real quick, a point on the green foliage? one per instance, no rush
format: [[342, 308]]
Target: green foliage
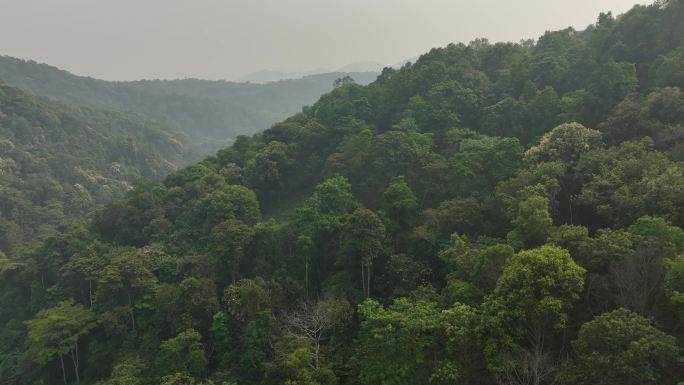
[[565, 143], [58, 163], [532, 298], [660, 229], [361, 242], [384, 336], [399, 205], [297, 362], [533, 224], [256, 349], [623, 347], [182, 354], [415, 342], [444, 182], [56, 331], [481, 163], [327, 208], [131, 371], [674, 281], [228, 240]]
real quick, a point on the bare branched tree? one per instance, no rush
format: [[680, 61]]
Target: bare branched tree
[[635, 278], [312, 321], [529, 367]]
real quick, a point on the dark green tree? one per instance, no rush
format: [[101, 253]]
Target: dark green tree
[[361, 241], [623, 347]]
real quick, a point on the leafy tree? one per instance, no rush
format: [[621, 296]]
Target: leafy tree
[[304, 374], [533, 224], [362, 241], [131, 371], [628, 181], [122, 284], [674, 281], [269, 169], [398, 204], [660, 229], [228, 241], [182, 354], [458, 215], [529, 305], [623, 347], [196, 302], [325, 211], [256, 349], [384, 336], [443, 344], [483, 162], [572, 238], [564, 143], [56, 332]]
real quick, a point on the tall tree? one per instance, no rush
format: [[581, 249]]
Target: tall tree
[[228, 241], [309, 324], [122, 283], [362, 241], [529, 305], [398, 204], [57, 331]]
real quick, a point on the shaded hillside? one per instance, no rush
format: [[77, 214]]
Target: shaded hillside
[[209, 113], [58, 162]]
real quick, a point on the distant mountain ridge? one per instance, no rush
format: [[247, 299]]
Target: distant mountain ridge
[[210, 113], [268, 76]]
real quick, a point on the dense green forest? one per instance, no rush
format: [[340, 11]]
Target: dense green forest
[[57, 163], [210, 113], [491, 214]]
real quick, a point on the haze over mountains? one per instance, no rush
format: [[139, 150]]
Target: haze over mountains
[[209, 113], [266, 76]]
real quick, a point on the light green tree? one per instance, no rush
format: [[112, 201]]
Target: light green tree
[[56, 332], [564, 143], [529, 305]]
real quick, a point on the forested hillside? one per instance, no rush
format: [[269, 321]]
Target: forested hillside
[[491, 214], [210, 113], [57, 163]]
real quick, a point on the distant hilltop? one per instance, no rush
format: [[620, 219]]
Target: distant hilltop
[[268, 76]]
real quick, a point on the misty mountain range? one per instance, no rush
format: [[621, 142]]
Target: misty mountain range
[[209, 113], [266, 76]]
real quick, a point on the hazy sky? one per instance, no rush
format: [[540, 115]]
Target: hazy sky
[[224, 39]]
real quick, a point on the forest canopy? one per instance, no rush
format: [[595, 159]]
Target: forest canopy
[[490, 214]]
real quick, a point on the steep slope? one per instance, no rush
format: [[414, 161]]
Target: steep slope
[[493, 213], [209, 113], [58, 162]]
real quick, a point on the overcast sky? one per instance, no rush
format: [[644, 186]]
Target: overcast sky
[[224, 39]]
